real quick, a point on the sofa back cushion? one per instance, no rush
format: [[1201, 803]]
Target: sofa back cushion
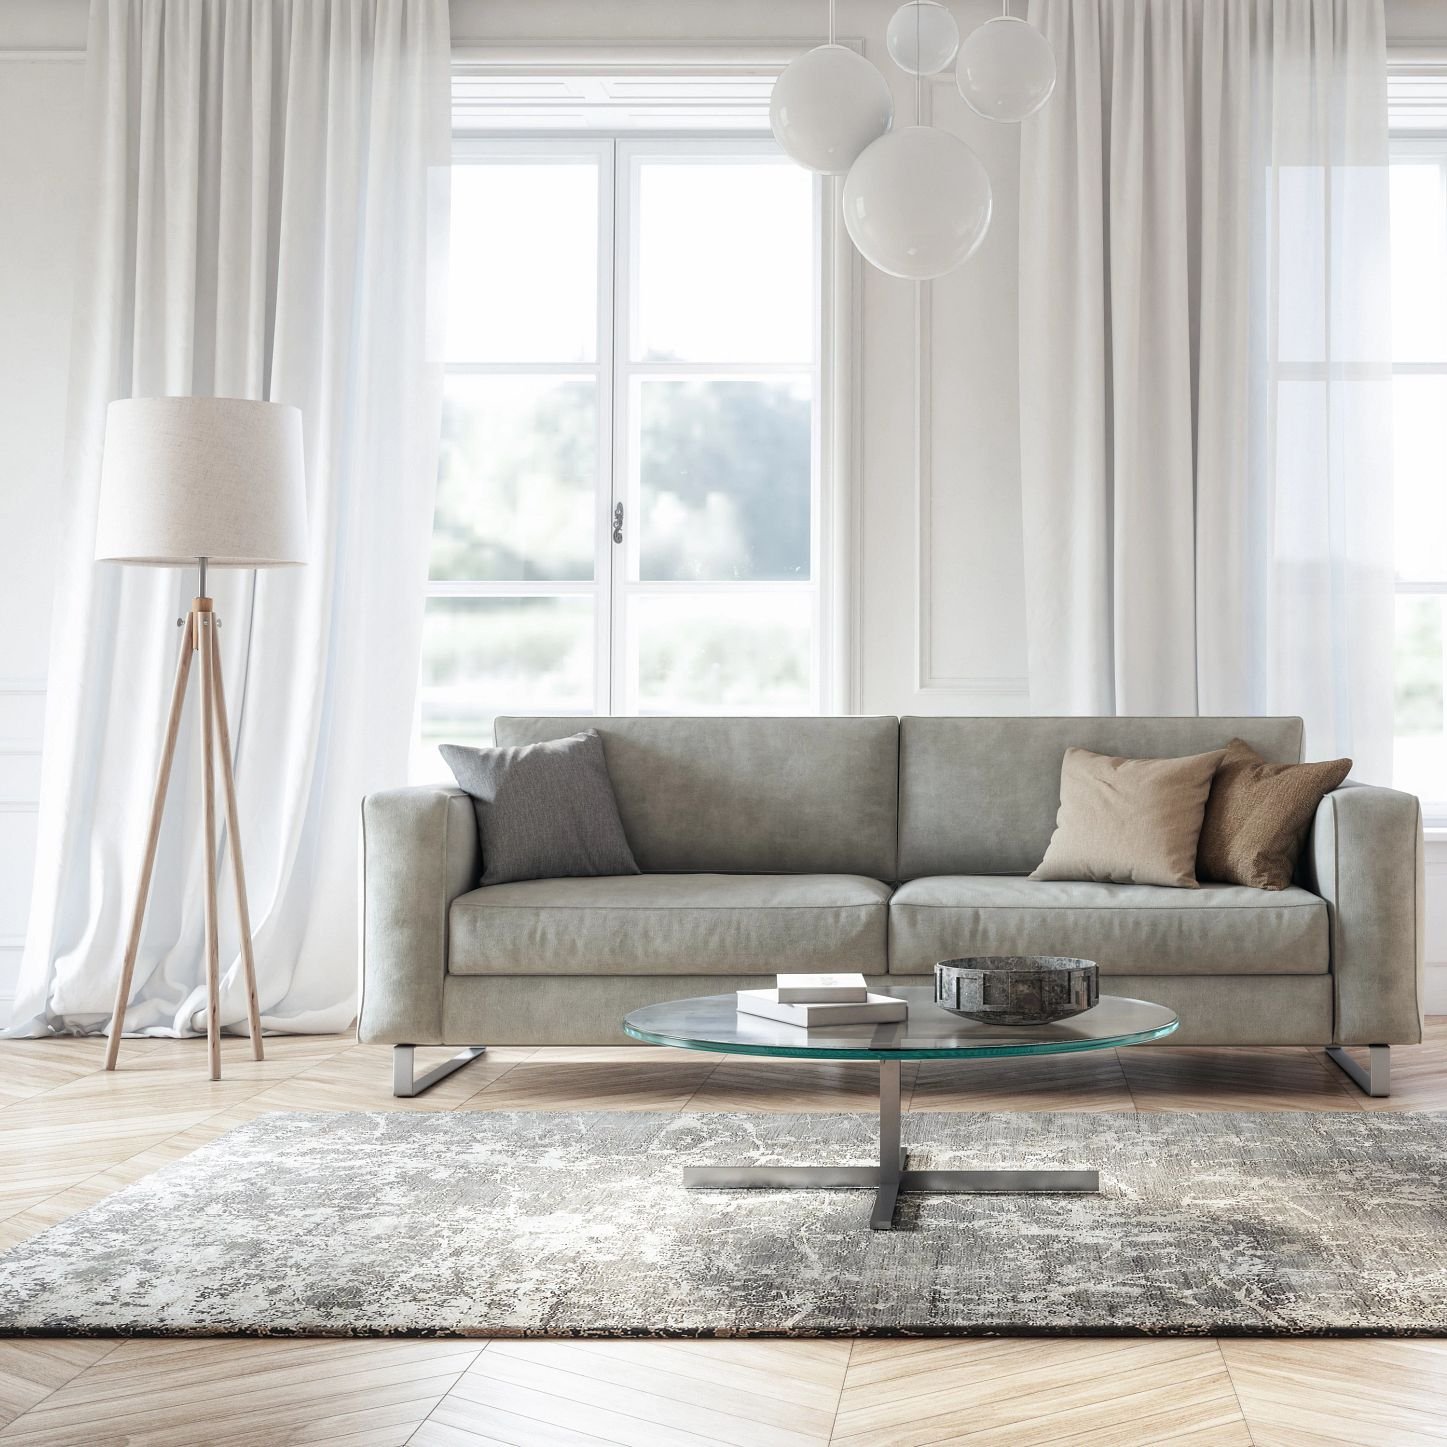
[[980, 795], [748, 795]]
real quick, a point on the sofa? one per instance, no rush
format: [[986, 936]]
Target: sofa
[[880, 845]]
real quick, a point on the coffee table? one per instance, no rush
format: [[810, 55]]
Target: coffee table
[[712, 1023]]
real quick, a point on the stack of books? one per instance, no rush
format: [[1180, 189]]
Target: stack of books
[[815, 1001]]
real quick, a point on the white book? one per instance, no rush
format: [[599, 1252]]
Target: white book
[[822, 989], [874, 1010]]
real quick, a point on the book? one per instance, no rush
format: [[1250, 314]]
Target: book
[[821, 989], [874, 1010]]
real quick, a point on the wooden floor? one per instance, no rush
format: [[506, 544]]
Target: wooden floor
[[70, 1133]]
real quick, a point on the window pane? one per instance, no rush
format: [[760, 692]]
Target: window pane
[[724, 261], [522, 281], [515, 487], [1419, 262], [1421, 664], [482, 657], [721, 653], [724, 479], [1419, 476]]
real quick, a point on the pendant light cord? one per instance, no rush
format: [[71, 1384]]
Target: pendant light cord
[[831, 22]]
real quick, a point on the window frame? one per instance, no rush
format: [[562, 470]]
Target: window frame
[[559, 150], [615, 373], [627, 585]]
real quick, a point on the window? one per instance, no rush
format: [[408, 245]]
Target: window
[[1419, 394], [628, 498]]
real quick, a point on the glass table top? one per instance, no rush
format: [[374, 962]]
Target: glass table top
[[712, 1022]]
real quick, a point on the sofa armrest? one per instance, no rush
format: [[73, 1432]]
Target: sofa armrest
[[419, 852], [1365, 858]]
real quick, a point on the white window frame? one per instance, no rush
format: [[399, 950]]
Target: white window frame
[[1433, 146], [615, 372], [559, 150], [632, 151]]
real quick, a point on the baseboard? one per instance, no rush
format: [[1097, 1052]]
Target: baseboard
[[1434, 995]]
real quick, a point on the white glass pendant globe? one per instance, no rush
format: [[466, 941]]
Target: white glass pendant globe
[[1006, 70], [827, 106], [917, 203], [922, 37]]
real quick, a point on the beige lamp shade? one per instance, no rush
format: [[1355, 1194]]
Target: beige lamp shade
[[218, 478]]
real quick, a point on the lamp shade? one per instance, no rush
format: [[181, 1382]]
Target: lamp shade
[[218, 478]]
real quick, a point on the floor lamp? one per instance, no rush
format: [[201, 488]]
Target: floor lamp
[[200, 482]]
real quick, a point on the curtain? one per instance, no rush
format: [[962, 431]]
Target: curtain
[[1205, 366], [264, 172]]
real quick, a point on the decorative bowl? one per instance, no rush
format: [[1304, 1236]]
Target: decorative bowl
[[1017, 989]]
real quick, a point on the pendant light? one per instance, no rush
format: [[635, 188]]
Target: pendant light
[[917, 201], [1006, 70], [828, 105], [922, 38]]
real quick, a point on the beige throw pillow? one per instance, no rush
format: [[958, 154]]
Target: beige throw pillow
[[1258, 815], [1129, 821]]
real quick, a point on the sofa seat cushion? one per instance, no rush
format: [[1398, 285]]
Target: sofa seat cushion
[[671, 924], [1135, 929]]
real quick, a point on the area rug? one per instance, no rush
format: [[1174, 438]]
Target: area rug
[[533, 1224]]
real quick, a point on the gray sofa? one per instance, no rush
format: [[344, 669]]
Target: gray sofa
[[881, 845]]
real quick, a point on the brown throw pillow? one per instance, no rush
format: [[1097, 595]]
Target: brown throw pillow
[[1258, 815], [1129, 821]]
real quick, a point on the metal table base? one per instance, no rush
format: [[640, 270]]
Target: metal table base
[[892, 1175]]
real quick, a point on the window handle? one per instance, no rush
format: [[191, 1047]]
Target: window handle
[[618, 523]]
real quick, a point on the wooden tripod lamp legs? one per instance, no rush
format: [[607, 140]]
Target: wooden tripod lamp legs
[[153, 833], [233, 836], [205, 643], [199, 638]]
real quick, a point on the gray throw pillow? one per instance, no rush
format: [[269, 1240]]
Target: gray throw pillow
[[544, 810]]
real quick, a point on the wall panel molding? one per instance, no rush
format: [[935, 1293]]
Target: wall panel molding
[[1435, 943], [844, 475], [26, 800]]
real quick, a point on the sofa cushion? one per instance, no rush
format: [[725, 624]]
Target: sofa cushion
[[1136, 929], [674, 924], [1258, 814], [544, 810], [1129, 821], [748, 795], [979, 795]]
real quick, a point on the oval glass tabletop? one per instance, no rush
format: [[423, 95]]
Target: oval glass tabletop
[[713, 1022]]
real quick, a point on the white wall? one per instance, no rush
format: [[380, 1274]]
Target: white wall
[[937, 539], [40, 194], [1416, 22]]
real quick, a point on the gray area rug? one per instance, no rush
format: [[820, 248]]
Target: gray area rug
[[577, 1224]]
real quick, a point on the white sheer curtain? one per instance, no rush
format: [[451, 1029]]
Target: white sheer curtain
[[263, 176], [1205, 391]]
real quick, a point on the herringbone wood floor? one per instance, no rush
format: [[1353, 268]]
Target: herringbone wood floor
[[70, 1133]]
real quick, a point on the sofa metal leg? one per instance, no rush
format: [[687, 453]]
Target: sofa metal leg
[[405, 1084], [1376, 1079]]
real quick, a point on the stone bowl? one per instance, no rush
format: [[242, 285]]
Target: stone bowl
[[1017, 989]]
